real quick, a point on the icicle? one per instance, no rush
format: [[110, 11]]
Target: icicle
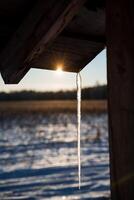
[[78, 82]]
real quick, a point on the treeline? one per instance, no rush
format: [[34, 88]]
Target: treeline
[[97, 92]]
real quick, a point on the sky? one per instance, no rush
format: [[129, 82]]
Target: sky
[[47, 80]]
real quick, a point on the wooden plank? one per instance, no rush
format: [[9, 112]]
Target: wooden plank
[[120, 60], [46, 20], [88, 22], [85, 36], [72, 53]]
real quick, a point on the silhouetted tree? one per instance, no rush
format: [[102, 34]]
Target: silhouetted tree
[[96, 92]]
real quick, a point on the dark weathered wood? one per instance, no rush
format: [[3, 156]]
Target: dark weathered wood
[[46, 20], [120, 60], [87, 37], [72, 53], [88, 21], [12, 13]]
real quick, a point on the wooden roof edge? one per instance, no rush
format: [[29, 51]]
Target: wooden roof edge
[[32, 38]]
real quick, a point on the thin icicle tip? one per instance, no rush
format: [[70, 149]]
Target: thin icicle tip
[[78, 82]]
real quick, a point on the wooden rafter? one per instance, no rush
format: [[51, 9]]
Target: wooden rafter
[[45, 22]]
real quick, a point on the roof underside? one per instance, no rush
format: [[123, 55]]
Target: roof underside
[[43, 34]]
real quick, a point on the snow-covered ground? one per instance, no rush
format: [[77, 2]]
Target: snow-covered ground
[[38, 157]]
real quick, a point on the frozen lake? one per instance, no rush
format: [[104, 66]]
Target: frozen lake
[[38, 157]]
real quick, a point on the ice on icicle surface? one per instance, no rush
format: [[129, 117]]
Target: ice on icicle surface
[[78, 81]]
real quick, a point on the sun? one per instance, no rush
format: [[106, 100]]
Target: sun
[[59, 70]]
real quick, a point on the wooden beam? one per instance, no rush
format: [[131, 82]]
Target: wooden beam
[[93, 38], [120, 60], [46, 20]]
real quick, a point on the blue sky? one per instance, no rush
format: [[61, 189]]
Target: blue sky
[[46, 80]]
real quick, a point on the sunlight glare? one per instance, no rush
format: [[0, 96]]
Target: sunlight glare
[[59, 70]]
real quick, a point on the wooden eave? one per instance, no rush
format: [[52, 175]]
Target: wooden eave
[[43, 34]]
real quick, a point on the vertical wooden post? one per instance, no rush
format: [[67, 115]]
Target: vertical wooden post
[[120, 63]]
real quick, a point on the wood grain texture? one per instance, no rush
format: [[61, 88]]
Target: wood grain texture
[[120, 60]]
